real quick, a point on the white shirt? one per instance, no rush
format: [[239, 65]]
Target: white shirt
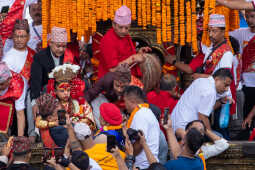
[[244, 35], [11, 2], [55, 59], [9, 43], [34, 39], [215, 149], [200, 97], [225, 62], [146, 121], [94, 165], [20, 102], [15, 59]]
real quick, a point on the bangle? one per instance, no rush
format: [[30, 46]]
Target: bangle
[[174, 62]]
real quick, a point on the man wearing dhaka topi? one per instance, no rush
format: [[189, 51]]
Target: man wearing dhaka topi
[[117, 46]]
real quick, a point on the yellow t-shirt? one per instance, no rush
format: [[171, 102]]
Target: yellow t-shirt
[[105, 160]]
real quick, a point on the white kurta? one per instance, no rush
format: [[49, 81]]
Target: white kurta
[[225, 62], [9, 43], [15, 59], [244, 35], [146, 121], [34, 39], [20, 102]]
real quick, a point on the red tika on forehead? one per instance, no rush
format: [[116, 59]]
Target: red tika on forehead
[[64, 86]]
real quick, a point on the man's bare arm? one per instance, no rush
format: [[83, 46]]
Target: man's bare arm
[[172, 141], [205, 120], [236, 4]]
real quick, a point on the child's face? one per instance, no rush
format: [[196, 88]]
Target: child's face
[[63, 92]]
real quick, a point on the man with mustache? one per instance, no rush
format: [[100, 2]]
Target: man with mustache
[[35, 41], [10, 11], [20, 57], [117, 47], [218, 55]]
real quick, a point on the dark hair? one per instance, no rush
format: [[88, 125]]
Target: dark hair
[[223, 73], [156, 166], [178, 137], [21, 24], [156, 110], [222, 28], [123, 73], [235, 44], [167, 82], [194, 121], [194, 140], [47, 105], [80, 159], [134, 91]]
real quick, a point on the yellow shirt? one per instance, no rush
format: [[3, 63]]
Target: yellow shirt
[[103, 158]]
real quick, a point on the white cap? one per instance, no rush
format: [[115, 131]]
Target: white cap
[[82, 130]]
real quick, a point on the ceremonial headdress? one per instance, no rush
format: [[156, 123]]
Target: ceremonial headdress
[[66, 76], [58, 35], [65, 72], [111, 114], [217, 20], [5, 72], [123, 16]]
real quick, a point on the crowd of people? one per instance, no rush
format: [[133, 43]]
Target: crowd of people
[[124, 113]]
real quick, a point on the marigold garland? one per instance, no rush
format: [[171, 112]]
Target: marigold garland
[[163, 15], [194, 26], [182, 22], [168, 21], [176, 22], [139, 12], [188, 22], [148, 12], [81, 16], [153, 13], [144, 22]]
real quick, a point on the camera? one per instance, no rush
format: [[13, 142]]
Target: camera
[[133, 135]]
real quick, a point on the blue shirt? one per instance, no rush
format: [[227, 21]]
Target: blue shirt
[[184, 163]]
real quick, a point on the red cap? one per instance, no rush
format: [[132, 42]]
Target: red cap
[[111, 114]]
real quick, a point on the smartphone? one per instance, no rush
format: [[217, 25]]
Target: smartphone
[[166, 111], [111, 143], [61, 117], [5, 9]]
